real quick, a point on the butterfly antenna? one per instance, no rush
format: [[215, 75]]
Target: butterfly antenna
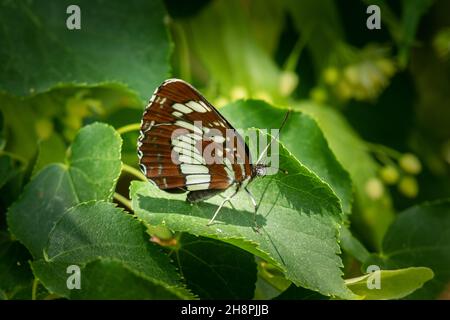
[[274, 138]]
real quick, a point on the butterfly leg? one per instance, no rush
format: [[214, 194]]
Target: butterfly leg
[[255, 206], [221, 205]]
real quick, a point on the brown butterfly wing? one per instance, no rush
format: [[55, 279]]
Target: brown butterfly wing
[[185, 144]]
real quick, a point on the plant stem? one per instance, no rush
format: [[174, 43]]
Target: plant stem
[[14, 156], [294, 56], [381, 149], [51, 296], [123, 200], [34, 289], [129, 128], [183, 51], [134, 172]]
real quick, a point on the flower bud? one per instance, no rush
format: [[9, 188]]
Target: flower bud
[[238, 92], [44, 128], [389, 174], [262, 95], [288, 82], [221, 101], [331, 75], [318, 95], [408, 187], [374, 188], [410, 163]]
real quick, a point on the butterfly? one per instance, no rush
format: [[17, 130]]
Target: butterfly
[[178, 126]]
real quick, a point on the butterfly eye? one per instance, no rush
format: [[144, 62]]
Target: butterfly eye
[[261, 171]]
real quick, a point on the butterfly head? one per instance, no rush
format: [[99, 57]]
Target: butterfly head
[[260, 170]]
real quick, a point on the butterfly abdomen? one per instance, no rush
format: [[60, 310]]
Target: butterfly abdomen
[[201, 195]]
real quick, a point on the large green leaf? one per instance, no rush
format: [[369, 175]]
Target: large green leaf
[[91, 174], [420, 236], [299, 217], [394, 284], [302, 136], [109, 47], [76, 240], [215, 270]]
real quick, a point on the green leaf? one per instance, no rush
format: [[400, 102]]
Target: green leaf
[[20, 122], [308, 145], [412, 12], [372, 217], [15, 272], [420, 236], [76, 240], [250, 67], [8, 169], [2, 132], [270, 282], [98, 52], [394, 284], [352, 245], [215, 270], [51, 150], [298, 215], [299, 293], [321, 38], [110, 279], [12, 175], [94, 163], [91, 174]]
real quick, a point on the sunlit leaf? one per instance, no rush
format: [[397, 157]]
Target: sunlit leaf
[[394, 284], [298, 214], [302, 136]]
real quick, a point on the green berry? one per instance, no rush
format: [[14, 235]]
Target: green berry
[[238, 92], [389, 174], [44, 128], [288, 82], [374, 188], [331, 75], [319, 95], [410, 163], [408, 187]]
